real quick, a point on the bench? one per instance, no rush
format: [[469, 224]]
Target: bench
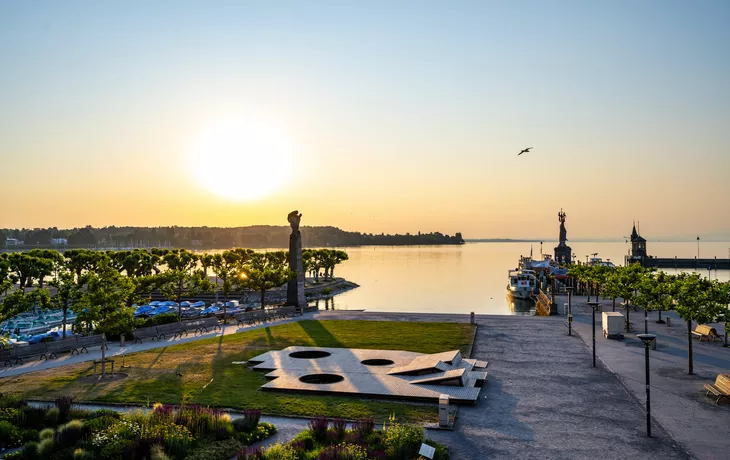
[[243, 318], [173, 329], [84, 343], [37, 349], [6, 354], [59, 346], [721, 388], [205, 325], [703, 331], [145, 333]]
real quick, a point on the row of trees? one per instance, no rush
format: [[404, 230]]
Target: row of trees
[[692, 296], [102, 287], [322, 261]]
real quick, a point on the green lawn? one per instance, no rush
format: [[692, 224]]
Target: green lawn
[[209, 378]]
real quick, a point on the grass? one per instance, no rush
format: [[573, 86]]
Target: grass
[[209, 378]]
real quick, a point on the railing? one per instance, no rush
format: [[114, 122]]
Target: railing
[[542, 303]]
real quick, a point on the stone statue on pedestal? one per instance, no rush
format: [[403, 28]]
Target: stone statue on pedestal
[[295, 288], [563, 252]]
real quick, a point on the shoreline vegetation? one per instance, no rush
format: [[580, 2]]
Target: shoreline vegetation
[[254, 237]]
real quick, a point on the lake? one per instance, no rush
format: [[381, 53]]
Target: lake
[[469, 277]]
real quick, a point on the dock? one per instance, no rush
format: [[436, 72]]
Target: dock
[[695, 263]]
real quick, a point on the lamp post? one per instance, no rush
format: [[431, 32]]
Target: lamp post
[[647, 338], [698, 249], [570, 310], [594, 305]]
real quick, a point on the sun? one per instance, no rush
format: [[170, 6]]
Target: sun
[[241, 160]]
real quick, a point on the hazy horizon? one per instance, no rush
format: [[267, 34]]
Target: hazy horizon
[[377, 117]]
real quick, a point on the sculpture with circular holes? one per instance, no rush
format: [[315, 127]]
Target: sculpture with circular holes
[[321, 378]]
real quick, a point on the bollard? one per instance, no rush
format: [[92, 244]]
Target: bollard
[[565, 308], [121, 341], [669, 321], [652, 345], [472, 317], [444, 410]]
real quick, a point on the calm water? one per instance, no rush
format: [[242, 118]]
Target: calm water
[[471, 277]]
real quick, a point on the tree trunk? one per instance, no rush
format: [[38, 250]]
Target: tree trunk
[[614, 304], [628, 323], [263, 297], [65, 310], [588, 291], [225, 306], [689, 348], [660, 320], [646, 321]]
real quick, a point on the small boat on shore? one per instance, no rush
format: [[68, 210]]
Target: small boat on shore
[[522, 284]]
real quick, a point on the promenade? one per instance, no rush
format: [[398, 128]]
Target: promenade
[[679, 403]]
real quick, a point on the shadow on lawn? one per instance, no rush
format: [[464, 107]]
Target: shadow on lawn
[[319, 334]]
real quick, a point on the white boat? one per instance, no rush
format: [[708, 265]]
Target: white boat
[[522, 284]]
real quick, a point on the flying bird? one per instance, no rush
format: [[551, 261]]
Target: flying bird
[[527, 150]]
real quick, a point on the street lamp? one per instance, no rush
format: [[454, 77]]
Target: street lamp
[[647, 338], [594, 305], [570, 310], [698, 248]]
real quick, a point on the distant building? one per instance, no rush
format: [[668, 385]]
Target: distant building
[[13, 242], [59, 241], [197, 242], [638, 246]]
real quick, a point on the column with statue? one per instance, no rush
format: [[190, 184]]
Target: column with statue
[[563, 252], [295, 288]]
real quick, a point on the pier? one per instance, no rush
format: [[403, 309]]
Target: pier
[[698, 264]]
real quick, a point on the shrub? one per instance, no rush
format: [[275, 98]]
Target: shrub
[[305, 440], [64, 405], [9, 413], [248, 420], [9, 434], [364, 426], [28, 435], [402, 442], [158, 453], [12, 400], [327, 291], [107, 413], [30, 451], [70, 433], [80, 454], [318, 427], [46, 433], [81, 414], [32, 417], [250, 453], [216, 450], [280, 452], [340, 426], [114, 450], [441, 452], [53, 415], [45, 447], [344, 452], [100, 423]]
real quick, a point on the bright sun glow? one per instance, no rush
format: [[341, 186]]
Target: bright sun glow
[[240, 160]]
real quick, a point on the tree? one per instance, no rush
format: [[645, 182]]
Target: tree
[[182, 279], [653, 294], [331, 258], [266, 271], [68, 290], [723, 290], [228, 268], [626, 281], [103, 304], [19, 301], [580, 273], [81, 261], [696, 299]]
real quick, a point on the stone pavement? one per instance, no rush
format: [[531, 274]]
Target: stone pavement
[[679, 403], [115, 351]]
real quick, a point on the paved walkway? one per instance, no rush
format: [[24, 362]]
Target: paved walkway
[[116, 351], [679, 403]]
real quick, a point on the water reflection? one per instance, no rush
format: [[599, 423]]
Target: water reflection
[[521, 307]]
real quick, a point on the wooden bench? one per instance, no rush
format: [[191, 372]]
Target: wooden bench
[[6, 354], [173, 329], [721, 388], [37, 349], [243, 318], [84, 343], [205, 325], [145, 333], [59, 346], [703, 331]]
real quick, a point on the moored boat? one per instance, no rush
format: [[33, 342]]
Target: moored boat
[[522, 284]]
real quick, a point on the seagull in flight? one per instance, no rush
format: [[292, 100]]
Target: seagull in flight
[[527, 150]]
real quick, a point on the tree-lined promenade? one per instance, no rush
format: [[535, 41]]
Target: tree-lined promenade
[[102, 287], [694, 298]]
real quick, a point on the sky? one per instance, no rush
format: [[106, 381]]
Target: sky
[[380, 116]]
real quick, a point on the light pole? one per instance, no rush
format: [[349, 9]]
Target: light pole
[[570, 310], [594, 305], [647, 338], [698, 249]]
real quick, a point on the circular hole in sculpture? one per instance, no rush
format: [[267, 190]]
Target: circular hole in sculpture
[[378, 362], [321, 378], [309, 354]]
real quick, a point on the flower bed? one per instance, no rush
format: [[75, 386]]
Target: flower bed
[[166, 432], [333, 440]]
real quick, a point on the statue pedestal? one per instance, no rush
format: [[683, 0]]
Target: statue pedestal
[[563, 254]]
